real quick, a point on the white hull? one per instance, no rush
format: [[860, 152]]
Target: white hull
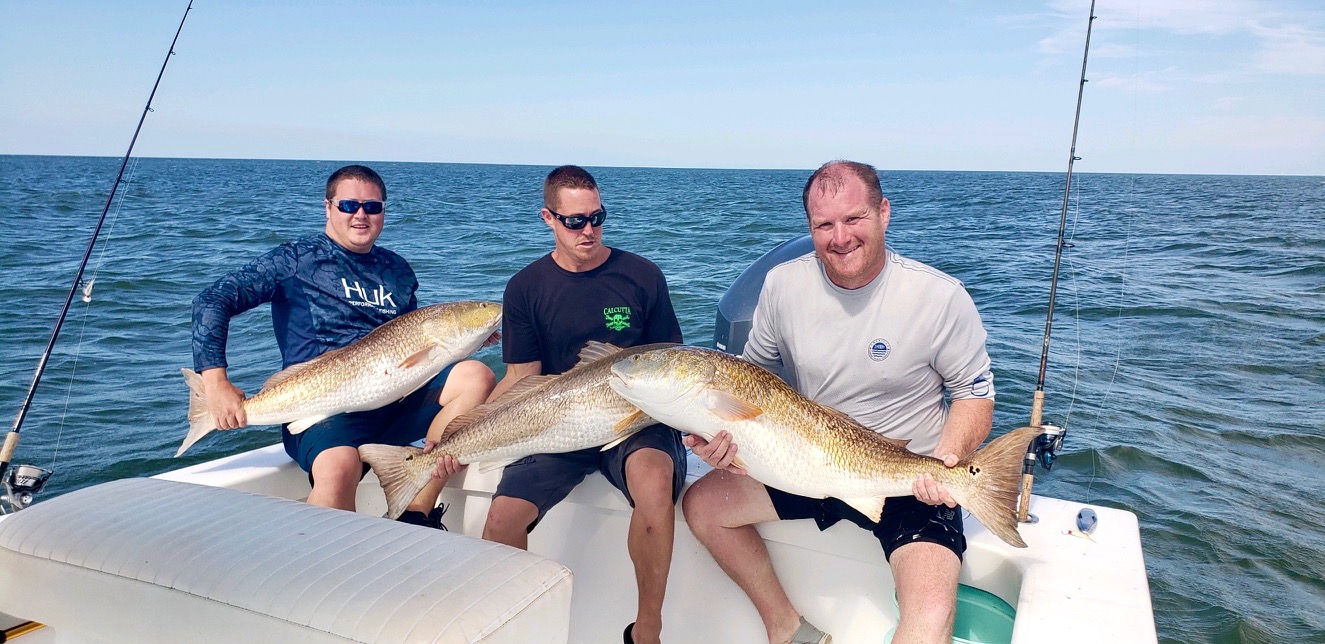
[[1064, 588]]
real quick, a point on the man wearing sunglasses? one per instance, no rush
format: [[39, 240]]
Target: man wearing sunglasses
[[582, 291], [327, 291]]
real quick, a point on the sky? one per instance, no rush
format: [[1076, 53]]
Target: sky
[[1175, 86]]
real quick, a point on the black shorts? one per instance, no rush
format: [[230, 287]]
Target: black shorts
[[905, 519], [546, 479]]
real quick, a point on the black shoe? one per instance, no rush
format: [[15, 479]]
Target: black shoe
[[626, 635], [432, 519]]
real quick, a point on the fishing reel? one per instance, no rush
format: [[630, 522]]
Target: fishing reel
[[21, 484], [1046, 445]]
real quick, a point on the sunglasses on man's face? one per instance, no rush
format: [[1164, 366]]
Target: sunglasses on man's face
[[577, 222], [351, 206]]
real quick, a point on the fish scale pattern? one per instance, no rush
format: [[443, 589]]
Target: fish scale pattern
[[268, 569]]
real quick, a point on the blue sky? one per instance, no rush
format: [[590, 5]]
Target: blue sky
[[1184, 86]]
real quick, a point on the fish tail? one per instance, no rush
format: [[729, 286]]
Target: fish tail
[[388, 463], [994, 475], [200, 419]]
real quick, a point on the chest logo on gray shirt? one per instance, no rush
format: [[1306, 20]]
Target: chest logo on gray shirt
[[879, 349]]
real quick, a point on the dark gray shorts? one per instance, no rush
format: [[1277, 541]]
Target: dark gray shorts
[[905, 519], [546, 479]]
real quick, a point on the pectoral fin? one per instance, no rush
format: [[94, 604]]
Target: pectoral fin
[[488, 466], [625, 423], [730, 408], [304, 423], [420, 358], [871, 507]]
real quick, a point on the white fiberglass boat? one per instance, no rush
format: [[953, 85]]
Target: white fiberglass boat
[[223, 551]]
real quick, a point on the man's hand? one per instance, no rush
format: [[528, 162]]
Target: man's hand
[[446, 465], [931, 492], [718, 453], [225, 402], [492, 339]]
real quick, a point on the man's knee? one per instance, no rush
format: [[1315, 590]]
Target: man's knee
[[472, 375], [508, 517], [698, 505], [337, 464], [649, 476]]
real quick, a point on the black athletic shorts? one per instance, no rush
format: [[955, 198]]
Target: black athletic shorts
[[905, 519], [546, 479]]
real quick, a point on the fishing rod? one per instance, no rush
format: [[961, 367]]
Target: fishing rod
[[1047, 443], [24, 481]]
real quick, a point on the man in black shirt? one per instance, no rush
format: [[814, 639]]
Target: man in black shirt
[[584, 291]]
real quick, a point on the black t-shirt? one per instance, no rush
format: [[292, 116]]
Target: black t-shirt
[[550, 313]]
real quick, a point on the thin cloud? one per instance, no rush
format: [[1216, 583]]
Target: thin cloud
[[1293, 50]]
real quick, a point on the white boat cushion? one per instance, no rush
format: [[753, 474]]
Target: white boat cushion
[[149, 560]]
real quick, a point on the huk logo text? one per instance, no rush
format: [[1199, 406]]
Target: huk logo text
[[359, 296]]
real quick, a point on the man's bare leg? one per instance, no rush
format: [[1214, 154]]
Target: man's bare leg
[[508, 521], [649, 475], [926, 577], [336, 473], [721, 510]]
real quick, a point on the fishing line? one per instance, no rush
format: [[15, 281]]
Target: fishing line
[[1076, 301], [87, 287], [1128, 209]]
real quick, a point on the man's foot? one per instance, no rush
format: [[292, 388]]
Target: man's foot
[[808, 634], [432, 519]]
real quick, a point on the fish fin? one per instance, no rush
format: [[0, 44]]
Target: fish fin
[[200, 420], [294, 369], [419, 358], [488, 466], [870, 506], [595, 351], [525, 384], [616, 441], [739, 464], [388, 463], [466, 419], [730, 408], [304, 423], [625, 423], [899, 443], [291, 371], [994, 475]]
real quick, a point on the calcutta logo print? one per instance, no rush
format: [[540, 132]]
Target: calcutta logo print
[[617, 317]]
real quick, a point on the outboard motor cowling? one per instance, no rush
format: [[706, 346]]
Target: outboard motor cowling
[[736, 309]]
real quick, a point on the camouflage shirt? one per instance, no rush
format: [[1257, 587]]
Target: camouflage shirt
[[322, 297]]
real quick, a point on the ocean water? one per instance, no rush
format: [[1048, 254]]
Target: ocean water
[[1188, 356]]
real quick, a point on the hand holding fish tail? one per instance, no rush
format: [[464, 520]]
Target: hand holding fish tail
[[931, 492], [447, 464], [225, 401]]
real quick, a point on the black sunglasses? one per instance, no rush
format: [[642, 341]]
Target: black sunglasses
[[576, 222], [351, 206]]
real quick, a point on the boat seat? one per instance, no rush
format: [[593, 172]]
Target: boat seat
[[207, 564]]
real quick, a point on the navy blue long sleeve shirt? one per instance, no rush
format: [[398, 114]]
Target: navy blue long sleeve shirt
[[322, 297]]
